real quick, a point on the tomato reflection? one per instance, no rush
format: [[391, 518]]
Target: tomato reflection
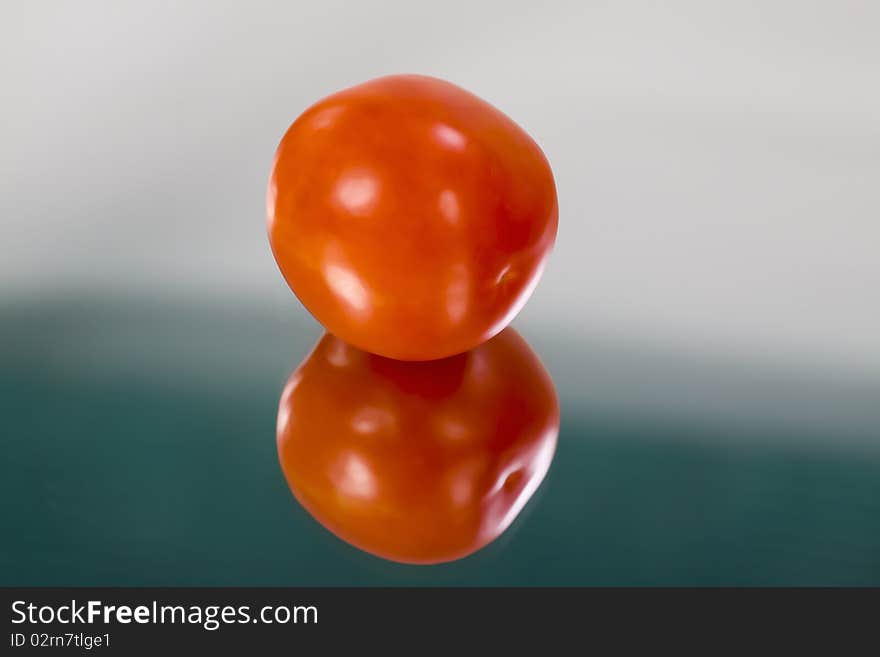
[[418, 462]]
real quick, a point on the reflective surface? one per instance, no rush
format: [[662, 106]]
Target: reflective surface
[[139, 447], [410, 217], [418, 462]]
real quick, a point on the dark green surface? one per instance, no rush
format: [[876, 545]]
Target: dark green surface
[[157, 465]]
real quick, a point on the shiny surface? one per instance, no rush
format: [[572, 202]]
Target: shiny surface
[[141, 450], [410, 217], [418, 462]]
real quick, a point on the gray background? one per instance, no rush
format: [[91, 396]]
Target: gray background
[[718, 164]]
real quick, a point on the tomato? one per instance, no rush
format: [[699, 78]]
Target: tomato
[[411, 218], [417, 462]]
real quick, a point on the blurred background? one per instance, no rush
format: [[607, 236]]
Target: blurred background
[[710, 315]]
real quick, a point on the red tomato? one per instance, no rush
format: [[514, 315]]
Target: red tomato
[[418, 462], [410, 217]]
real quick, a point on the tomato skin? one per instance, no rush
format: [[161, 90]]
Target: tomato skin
[[417, 462], [410, 217]]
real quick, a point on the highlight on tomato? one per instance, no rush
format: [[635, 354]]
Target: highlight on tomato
[[410, 217]]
